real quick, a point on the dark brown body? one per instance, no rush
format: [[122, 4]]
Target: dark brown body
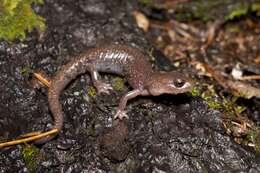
[[118, 59]]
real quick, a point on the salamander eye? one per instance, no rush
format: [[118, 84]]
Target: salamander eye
[[178, 83]]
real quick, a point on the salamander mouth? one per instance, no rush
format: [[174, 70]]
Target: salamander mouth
[[169, 90]]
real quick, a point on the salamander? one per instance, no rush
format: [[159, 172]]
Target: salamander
[[127, 61]]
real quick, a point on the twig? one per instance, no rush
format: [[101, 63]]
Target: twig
[[212, 33], [251, 77], [19, 141], [42, 79]]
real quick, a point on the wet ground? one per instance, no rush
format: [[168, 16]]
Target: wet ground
[[169, 133]]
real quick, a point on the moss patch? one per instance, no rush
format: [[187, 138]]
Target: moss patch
[[242, 9], [118, 83], [17, 18], [145, 2], [31, 157], [91, 92]]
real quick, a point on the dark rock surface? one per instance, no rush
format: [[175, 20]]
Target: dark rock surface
[[164, 134]]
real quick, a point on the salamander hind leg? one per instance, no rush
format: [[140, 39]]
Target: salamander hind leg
[[100, 86], [103, 87]]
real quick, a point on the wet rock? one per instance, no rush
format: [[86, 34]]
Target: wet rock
[[94, 7], [190, 138], [65, 145], [173, 134]]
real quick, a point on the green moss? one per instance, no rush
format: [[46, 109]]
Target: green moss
[[210, 97], [25, 71], [212, 103], [256, 8], [203, 10], [17, 18], [118, 83], [200, 9], [239, 109], [151, 116], [30, 155], [195, 92], [145, 2], [233, 28], [257, 148], [231, 107], [257, 142], [237, 11], [242, 9], [92, 92], [250, 137], [212, 9], [253, 137]]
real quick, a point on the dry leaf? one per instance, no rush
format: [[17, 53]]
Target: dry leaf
[[141, 20]]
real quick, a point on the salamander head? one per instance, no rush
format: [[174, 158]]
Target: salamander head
[[169, 83]]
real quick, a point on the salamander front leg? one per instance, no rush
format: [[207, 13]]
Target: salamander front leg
[[120, 113], [100, 86]]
